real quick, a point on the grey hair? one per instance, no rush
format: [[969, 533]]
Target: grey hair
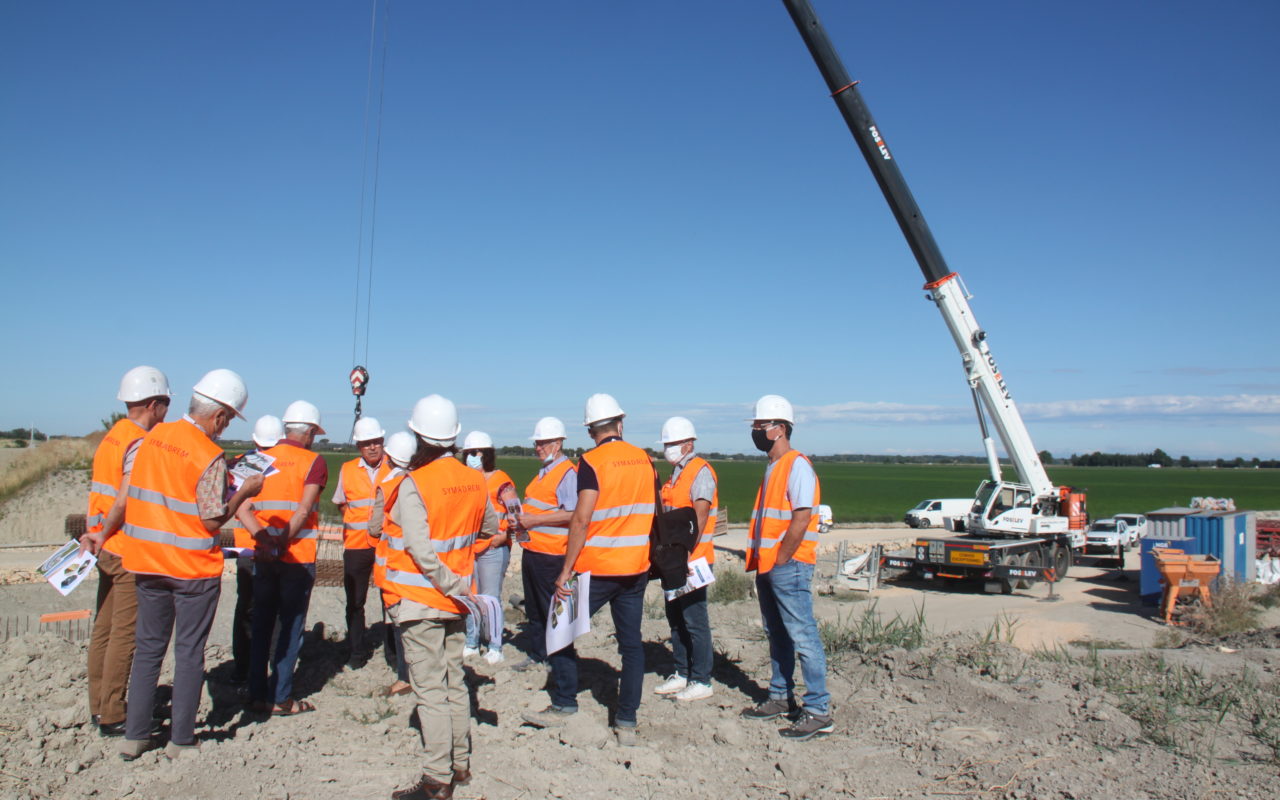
[[298, 429], [605, 426], [202, 406]]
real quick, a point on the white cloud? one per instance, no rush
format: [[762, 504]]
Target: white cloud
[[1093, 410]]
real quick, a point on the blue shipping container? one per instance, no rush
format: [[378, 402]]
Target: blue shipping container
[[1224, 534]]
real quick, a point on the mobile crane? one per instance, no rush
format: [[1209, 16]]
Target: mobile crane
[[1015, 531]]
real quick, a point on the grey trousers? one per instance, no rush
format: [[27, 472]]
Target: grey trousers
[[433, 653], [184, 610]]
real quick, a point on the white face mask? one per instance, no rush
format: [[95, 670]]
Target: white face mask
[[474, 461], [549, 458], [674, 453]]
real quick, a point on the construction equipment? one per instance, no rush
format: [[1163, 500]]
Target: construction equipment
[[1184, 575], [1015, 531]]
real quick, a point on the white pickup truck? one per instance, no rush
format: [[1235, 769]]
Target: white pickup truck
[[1111, 536]]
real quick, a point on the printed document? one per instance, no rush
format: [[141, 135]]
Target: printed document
[[700, 575], [570, 618], [487, 610], [254, 462], [67, 567]]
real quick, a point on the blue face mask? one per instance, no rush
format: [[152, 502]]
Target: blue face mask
[[474, 461]]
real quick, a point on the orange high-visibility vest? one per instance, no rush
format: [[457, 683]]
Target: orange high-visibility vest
[[678, 495], [540, 498], [108, 472], [455, 498], [493, 483], [279, 498], [392, 536], [772, 515], [358, 510], [618, 533], [161, 518]]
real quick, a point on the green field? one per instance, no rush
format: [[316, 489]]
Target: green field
[[882, 492]]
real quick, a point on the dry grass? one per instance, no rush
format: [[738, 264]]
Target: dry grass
[[1234, 610], [36, 462]]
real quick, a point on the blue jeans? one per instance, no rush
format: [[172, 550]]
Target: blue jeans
[[491, 568], [280, 590], [691, 636], [625, 596], [786, 606]]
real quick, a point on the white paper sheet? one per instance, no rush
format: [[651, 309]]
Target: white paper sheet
[[570, 618]]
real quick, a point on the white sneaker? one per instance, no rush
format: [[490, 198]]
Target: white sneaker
[[695, 691], [672, 685], [467, 652], [493, 656]]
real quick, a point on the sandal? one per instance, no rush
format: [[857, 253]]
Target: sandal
[[290, 707]]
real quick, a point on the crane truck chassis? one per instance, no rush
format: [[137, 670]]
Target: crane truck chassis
[[1016, 532]]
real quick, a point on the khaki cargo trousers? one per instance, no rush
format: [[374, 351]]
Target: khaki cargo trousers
[[433, 654], [111, 648]]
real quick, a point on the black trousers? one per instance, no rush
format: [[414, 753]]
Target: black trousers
[[242, 622], [539, 573], [357, 569]]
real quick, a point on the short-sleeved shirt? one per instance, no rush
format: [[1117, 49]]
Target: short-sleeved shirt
[[704, 486], [802, 484]]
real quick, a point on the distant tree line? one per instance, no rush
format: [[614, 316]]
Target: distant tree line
[[24, 434]]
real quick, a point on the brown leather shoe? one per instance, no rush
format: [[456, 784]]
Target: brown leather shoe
[[461, 777], [425, 789]]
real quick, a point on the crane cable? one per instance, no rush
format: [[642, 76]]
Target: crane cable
[[359, 375]]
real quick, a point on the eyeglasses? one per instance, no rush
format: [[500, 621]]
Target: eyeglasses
[[763, 425]]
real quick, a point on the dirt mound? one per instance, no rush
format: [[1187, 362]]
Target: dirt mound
[[1265, 638], [38, 513], [962, 716]]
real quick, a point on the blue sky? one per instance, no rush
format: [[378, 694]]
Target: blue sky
[[655, 200]]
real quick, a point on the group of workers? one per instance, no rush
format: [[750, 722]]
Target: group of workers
[[428, 529]]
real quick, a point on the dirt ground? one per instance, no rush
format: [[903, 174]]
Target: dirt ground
[[1018, 713]]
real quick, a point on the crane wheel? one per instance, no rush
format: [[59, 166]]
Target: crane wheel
[[1060, 558]]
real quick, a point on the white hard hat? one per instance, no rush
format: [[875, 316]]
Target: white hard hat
[[268, 431], [224, 387], [773, 406], [601, 407], [300, 412], [435, 418], [546, 429], [142, 383], [477, 440], [367, 429], [400, 448], [677, 429]]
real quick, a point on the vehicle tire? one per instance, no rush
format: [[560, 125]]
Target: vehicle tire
[[1060, 559], [923, 523], [1032, 558], [1006, 586]]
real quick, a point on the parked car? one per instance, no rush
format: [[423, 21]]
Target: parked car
[[1109, 536], [1137, 524], [931, 513]]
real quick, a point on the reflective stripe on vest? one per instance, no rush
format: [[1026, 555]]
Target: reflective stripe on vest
[[108, 473], [165, 533], [618, 534], [455, 499], [680, 495], [391, 537], [540, 498], [358, 489], [772, 515], [280, 497]]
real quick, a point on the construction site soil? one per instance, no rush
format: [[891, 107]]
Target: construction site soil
[[964, 713]]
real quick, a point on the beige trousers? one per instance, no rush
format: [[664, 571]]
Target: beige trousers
[[433, 654], [111, 648]]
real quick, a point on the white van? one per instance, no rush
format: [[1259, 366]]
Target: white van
[[930, 513]]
